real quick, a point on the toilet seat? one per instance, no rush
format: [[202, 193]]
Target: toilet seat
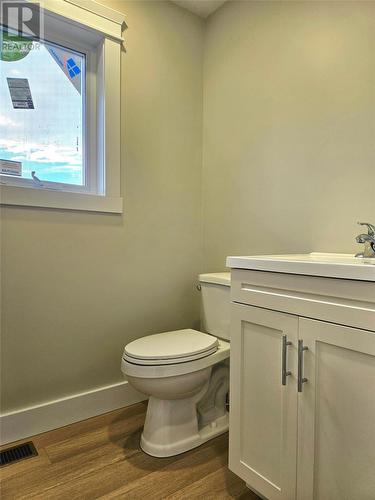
[[132, 369], [173, 347]]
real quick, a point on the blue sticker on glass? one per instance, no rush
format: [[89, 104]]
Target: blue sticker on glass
[[73, 69]]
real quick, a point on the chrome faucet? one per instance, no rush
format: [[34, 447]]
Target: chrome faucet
[[368, 240]]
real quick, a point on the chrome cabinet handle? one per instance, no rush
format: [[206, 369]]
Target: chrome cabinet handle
[[284, 372], [301, 378]]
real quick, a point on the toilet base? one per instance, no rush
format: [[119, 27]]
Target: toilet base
[[174, 426], [215, 428]]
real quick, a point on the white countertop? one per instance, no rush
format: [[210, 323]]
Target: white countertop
[[330, 265]]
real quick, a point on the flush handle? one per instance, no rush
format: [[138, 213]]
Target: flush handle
[[284, 372]]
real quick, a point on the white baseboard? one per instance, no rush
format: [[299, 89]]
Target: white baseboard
[[53, 414]]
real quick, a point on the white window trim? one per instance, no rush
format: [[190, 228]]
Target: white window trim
[[108, 25]]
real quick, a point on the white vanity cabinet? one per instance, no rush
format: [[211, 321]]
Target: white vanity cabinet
[[263, 412], [302, 415], [336, 413]]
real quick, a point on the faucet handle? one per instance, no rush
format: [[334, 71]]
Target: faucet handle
[[370, 228]]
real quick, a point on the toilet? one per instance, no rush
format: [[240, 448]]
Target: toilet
[[185, 373]]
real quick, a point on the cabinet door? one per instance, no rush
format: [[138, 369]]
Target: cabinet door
[[336, 426], [263, 411]]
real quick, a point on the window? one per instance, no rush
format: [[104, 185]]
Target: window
[[59, 114], [44, 136]]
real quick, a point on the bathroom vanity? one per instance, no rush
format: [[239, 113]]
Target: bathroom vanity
[[302, 414]]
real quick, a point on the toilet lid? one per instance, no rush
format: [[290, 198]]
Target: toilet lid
[[171, 347]]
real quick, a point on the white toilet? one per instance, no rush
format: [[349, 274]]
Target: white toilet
[[186, 375]]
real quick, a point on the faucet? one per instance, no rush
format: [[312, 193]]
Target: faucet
[[368, 240]]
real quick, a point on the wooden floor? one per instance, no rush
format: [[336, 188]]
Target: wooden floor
[[101, 458]]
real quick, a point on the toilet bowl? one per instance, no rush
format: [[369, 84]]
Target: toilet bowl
[[185, 373]]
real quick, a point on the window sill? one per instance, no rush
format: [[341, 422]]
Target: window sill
[[44, 198]]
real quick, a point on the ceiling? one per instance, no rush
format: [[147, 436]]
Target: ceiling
[[202, 8]]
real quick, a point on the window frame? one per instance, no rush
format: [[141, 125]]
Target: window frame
[[100, 39]]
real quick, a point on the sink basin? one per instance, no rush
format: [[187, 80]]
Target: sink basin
[[330, 265]]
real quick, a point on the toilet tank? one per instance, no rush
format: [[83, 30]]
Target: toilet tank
[[215, 304]]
